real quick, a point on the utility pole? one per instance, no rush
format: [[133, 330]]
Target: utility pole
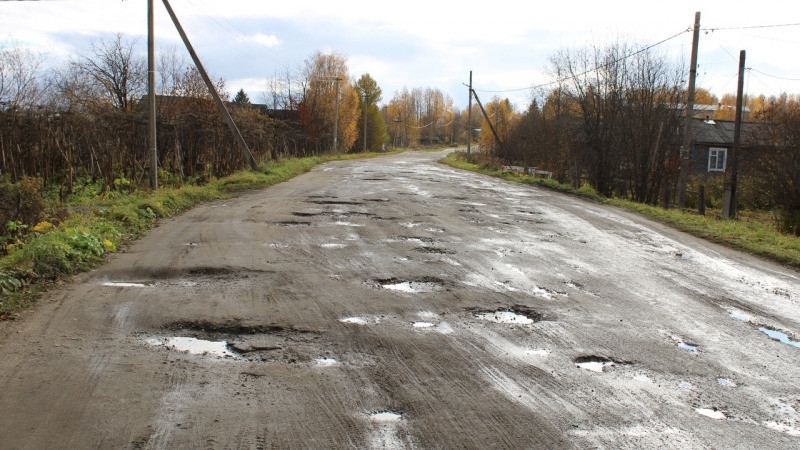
[[336, 117], [729, 195], [686, 160], [365, 122], [213, 90], [151, 97], [469, 118]]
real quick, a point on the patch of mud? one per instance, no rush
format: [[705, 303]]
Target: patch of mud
[[434, 250], [336, 202], [292, 223]]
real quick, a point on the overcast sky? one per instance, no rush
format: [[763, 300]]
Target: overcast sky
[[432, 43]]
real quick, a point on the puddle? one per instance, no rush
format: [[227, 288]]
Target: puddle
[[423, 325], [643, 379], [326, 362], [517, 315], [779, 336], [726, 382], [193, 346], [124, 284], [359, 320], [348, 224], [508, 317], [421, 285], [685, 385], [385, 416], [712, 413], [593, 363], [691, 348], [333, 245], [742, 317]]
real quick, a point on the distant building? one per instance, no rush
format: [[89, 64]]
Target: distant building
[[712, 143]]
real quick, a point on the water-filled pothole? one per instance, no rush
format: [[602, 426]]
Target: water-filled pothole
[[595, 363], [713, 413], [386, 416], [779, 336], [336, 202], [193, 346], [124, 284], [689, 347], [414, 285], [515, 315]]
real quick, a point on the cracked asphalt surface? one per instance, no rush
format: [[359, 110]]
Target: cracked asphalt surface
[[398, 303]]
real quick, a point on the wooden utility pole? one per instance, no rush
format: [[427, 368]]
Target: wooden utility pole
[[336, 117], [686, 159], [365, 122], [491, 127], [152, 133], [732, 175], [213, 90], [469, 118]]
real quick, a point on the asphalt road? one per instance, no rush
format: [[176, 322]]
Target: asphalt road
[[398, 303]]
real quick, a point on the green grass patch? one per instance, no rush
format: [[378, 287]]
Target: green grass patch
[[752, 232], [100, 224]]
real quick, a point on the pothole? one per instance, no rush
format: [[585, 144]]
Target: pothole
[[434, 250], [713, 413], [594, 363], [125, 284], [689, 347], [193, 346], [413, 286], [385, 416], [292, 223], [336, 202], [740, 316], [516, 315], [423, 324], [326, 362], [779, 336]]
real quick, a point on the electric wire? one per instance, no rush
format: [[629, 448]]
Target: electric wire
[[561, 80]]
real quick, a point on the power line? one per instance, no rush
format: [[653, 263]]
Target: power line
[[561, 80], [751, 27], [774, 76]]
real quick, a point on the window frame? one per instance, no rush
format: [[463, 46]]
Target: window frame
[[717, 151]]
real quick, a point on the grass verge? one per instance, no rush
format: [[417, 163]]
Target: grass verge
[[752, 232], [49, 254]]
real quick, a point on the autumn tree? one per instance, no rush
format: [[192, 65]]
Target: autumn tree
[[371, 122], [503, 119], [329, 103]]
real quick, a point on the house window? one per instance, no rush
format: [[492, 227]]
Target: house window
[[716, 159]]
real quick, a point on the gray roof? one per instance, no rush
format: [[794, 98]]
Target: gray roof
[[720, 132]]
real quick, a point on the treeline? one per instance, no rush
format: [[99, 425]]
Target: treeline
[[614, 119]]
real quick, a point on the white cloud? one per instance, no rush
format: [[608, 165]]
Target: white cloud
[[267, 40]]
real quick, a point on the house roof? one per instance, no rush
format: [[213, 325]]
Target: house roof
[[720, 132]]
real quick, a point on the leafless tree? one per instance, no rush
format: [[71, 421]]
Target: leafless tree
[[117, 69]]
